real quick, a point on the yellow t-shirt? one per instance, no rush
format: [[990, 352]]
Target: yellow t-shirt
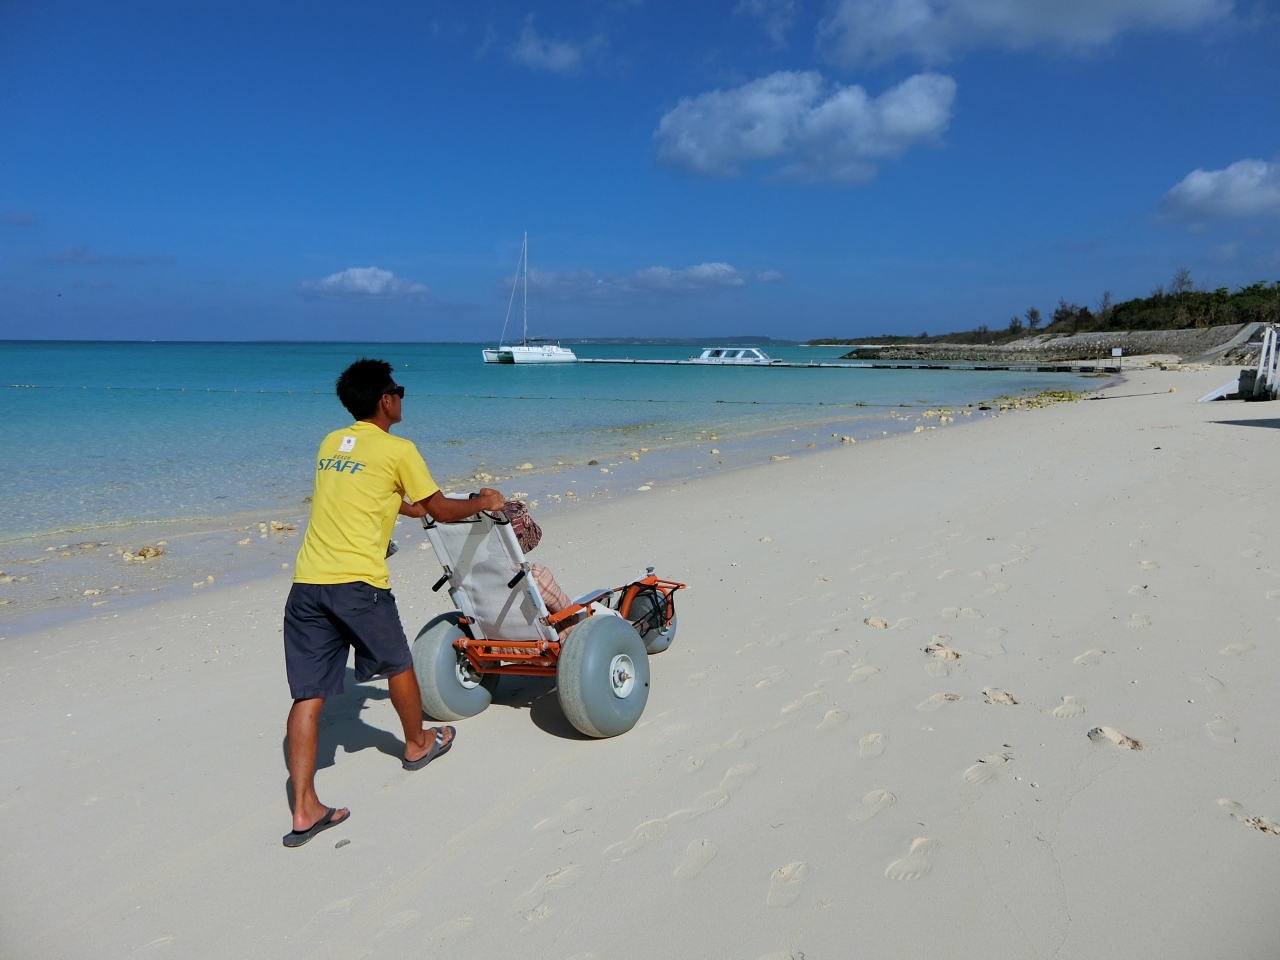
[[362, 474]]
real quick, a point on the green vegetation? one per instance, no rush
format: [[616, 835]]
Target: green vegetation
[[1180, 307]]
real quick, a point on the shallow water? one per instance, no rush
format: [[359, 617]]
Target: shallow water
[[121, 432]]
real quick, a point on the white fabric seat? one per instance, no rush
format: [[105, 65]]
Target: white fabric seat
[[481, 557]]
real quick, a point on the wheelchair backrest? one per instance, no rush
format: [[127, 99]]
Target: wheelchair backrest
[[481, 557]]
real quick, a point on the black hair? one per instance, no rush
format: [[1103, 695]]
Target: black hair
[[361, 385]]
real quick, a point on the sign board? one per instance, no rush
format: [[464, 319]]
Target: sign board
[[1117, 352]]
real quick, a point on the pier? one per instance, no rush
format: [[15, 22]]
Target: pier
[[1076, 367]]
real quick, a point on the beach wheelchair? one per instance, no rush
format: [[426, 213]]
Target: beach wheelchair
[[501, 626]]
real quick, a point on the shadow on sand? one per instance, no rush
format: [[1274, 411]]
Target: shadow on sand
[[538, 695], [1273, 424]]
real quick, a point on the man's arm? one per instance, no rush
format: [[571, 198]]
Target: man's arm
[[446, 509]]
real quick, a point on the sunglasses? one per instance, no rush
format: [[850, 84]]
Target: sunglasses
[[398, 391]]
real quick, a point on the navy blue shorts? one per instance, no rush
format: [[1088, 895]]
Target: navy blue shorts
[[321, 620]]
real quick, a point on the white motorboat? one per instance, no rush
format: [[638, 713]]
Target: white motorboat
[[733, 355], [529, 349]]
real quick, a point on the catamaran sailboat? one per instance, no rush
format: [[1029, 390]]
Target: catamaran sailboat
[[533, 350]]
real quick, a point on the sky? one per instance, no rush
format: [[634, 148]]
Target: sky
[[326, 171]]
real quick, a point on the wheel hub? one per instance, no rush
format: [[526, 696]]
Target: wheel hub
[[622, 676], [467, 675]]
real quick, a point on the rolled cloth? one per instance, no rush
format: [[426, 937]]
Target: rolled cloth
[[528, 533]]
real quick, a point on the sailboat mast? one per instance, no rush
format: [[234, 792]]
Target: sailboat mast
[[525, 306]]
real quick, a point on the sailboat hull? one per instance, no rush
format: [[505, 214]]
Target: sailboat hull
[[542, 353]]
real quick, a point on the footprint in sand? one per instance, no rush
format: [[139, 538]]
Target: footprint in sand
[[767, 677], [696, 856], [714, 799], [568, 810], [1089, 658], [641, 837], [871, 746], [1112, 735], [1140, 620], [861, 671], [1138, 590], [994, 589], [1235, 649], [832, 719], [876, 623], [917, 862], [871, 804], [938, 668], [938, 648], [784, 885], [995, 633], [908, 597], [566, 876], [1235, 811], [1149, 565], [937, 701], [696, 678], [1222, 730], [904, 623], [1070, 707], [832, 657], [808, 700], [995, 695], [1212, 685], [991, 649], [987, 769], [740, 739]]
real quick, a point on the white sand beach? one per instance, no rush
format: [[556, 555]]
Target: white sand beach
[[806, 781]]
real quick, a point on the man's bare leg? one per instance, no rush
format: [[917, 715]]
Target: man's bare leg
[[407, 700], [303, 731]]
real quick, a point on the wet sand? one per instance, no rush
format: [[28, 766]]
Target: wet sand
[[1005, 690]]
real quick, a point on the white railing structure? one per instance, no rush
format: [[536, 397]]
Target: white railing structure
[[1268, 378]]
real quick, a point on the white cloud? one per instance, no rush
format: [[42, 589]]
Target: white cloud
[[703, 278], [775, 16], [815, 132], [1247, 188], [361, 283], [867, 31], [540, 53]]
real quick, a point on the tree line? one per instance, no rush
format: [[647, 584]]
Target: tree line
[[1179, 306]]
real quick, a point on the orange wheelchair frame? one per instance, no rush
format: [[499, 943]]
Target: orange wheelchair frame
[[537, 658]]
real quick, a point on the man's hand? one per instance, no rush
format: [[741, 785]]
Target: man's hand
[[415, 510], [490, 499], [446, 510]]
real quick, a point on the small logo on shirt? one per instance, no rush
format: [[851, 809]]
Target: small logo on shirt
[[340, 464], [347, 445]]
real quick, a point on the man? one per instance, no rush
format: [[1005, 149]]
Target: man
[[340, 596]]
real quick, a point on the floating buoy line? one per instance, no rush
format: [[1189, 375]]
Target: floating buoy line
[[490, 396]]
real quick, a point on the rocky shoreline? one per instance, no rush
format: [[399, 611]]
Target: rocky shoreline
[[1231, 344]]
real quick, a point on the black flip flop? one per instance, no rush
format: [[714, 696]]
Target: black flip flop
[[438, 749], [296, 838]]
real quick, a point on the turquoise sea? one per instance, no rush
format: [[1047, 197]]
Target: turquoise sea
[[111, 433]]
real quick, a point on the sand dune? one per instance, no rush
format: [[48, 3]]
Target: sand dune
[[873, 736]]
